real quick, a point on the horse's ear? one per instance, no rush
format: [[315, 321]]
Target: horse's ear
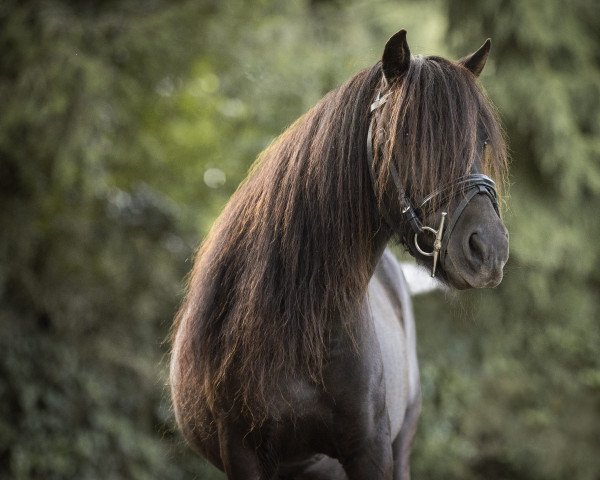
[[396, 56], [476, 61]]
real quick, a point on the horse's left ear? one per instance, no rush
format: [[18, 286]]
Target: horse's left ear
[[396, 56], [476, 61]]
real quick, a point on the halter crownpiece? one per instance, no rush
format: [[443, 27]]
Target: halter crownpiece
[[471, 185], [379, 101]]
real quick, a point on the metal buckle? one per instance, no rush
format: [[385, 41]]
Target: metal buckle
[[437, 244]]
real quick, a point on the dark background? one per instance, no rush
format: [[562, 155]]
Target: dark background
[[125, 126]]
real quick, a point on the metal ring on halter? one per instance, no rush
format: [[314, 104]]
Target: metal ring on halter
[[437, 244], [418, 247]]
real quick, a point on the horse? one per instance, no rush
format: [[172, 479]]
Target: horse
[[294, 352]]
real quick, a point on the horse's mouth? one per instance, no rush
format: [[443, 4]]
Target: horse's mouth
[[463, 277]]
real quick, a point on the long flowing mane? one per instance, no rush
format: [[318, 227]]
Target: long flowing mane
[[290, 257]]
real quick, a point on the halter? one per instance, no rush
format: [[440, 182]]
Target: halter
[[471, 185]]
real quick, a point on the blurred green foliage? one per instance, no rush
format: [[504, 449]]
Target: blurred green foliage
[[124, 128], [92, 252]]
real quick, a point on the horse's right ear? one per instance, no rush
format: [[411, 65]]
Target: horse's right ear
[[396, 56], [476, 61]]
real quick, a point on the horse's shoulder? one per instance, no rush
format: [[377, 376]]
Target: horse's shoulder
[[389, 273]]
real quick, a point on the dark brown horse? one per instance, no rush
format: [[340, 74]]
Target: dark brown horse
[[294, 350]]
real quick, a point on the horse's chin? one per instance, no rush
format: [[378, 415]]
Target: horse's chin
[[462, 283], [463, 278]]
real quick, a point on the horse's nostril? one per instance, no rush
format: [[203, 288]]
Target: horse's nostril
[[477, 248]]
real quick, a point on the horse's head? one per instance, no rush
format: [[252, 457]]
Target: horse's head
[[436, 145]]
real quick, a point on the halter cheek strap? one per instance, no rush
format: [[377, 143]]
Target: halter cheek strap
[[408, 211], [406, 208]]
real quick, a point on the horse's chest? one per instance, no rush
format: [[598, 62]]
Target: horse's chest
[[393, 346]]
